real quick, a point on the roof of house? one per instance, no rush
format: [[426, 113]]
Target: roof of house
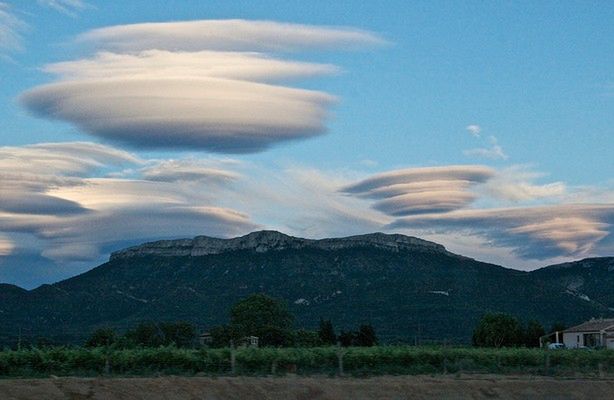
[[594, 325]]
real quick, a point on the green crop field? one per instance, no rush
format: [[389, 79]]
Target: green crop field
[[355, 361]]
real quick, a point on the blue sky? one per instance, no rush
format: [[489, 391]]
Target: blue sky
[[534, 79]]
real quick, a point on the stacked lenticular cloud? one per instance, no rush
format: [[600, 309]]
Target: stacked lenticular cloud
[[210, 85]]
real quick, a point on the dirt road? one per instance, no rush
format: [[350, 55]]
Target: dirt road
[[243, 388]]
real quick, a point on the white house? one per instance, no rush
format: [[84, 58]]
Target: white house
[[593, 333]]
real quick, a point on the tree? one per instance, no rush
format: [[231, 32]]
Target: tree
[[101, 337], [221, 336], [534, 331], [366, 336], [347, 338], [274, 336], [326, 332], [262, 316], [181, 334], [146, 334], [497, 330]]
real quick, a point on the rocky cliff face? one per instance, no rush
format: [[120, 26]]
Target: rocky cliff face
[[264, 241]]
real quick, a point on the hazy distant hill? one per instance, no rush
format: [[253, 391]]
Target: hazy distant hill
[[406, 287]]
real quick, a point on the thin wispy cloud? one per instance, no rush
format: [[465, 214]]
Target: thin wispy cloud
[[68, 7], [6, 246], [518, 184], [228, 35], [493, 152], [197, 84], [154, 64], [11, 31]]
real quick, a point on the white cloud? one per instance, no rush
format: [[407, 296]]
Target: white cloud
[[230, 35], [196, 84], [494, 152], [369, 163], [61, 158], [187, 170], [78, 200], [538, 232], [154, 64], [446, 201], [517, 183], [11, 29], [60, 192], [68, 7], [474, 130], [301, 201], [422, 190], [6, 246], [218, 115]]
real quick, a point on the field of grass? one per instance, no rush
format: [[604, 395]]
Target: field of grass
[[356, 361]]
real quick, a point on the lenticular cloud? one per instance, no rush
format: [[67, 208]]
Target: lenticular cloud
[[199, 85]]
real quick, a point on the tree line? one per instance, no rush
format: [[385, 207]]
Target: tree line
[[504, 330], [257, 315], [270, 320]]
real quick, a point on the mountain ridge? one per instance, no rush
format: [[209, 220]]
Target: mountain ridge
[[406, 287], [268, 240]]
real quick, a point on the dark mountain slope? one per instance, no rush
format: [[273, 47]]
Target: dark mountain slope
[[591, 278], [405, 287]]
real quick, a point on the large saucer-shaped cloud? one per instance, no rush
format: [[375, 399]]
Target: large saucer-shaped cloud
[[213, 114], [195, 85]]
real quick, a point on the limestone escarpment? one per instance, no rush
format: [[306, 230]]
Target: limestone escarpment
[[263, 241]]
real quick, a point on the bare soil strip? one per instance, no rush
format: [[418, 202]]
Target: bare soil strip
[[243, 388]]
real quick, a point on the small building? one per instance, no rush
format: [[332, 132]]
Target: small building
[[249, 341], [205, 339], [593, 333]]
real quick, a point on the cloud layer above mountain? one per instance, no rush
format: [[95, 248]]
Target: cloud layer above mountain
[[448, 199], [79, 196], [198, 85], [73, 202]]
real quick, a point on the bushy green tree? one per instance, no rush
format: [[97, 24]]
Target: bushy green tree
[[366, 336], [532, 333], [151, 334], [326, 332], [181, 334], [222, 336], [498, 330], [101, 337], [263, 316], [145, 334], [274, 337]]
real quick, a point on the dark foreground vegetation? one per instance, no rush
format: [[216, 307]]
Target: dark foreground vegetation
[[353, 361], [176, 348]]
